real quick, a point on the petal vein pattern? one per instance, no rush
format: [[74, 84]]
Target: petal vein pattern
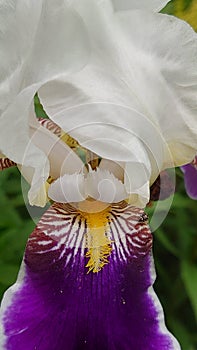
[[57, 303]]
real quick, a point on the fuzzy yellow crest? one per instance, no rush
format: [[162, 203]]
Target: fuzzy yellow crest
[[98, 243]]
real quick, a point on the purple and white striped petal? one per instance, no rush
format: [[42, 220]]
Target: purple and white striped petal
[[190, 178], [59, 303], [6, 163], [50, 125]]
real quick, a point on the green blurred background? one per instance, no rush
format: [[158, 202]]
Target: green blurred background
[[175, 242]]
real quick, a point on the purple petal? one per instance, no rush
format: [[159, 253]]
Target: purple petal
[[190, 178], [57, 305], [163, 187]]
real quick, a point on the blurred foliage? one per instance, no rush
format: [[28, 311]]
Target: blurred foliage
[[175, 252], [15, 227], [175, 242], [184, 9]]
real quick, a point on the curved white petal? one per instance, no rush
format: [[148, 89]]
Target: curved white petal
[[100, 185], [139, 87], [62, 158], [141, 81], [105, 187], [116, 168], [152, 5], [112, 131], [39, 41], [68, 188], [137, 184], [169, 77], [140, 196], [38, 192]]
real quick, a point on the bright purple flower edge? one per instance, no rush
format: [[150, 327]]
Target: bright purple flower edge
[[190, 178], [57, 305]]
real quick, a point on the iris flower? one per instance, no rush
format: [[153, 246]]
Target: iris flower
[[118, 82], [190, 178]]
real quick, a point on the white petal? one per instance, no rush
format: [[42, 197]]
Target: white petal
[[140, 197], [169, 77], [62, 158], [152, 5], [39, 41], [142, 61], [137, 184], [109, 130], [38, 192], [68, 188], [92, 106], [103, 186], [116, 168]]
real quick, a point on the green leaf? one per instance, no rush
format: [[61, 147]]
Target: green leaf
[[39, 108], [187, 4], [13, 241], [9, 215], [189, 275], [169, 8], [8, 273], [166, 242], [181, 334]]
